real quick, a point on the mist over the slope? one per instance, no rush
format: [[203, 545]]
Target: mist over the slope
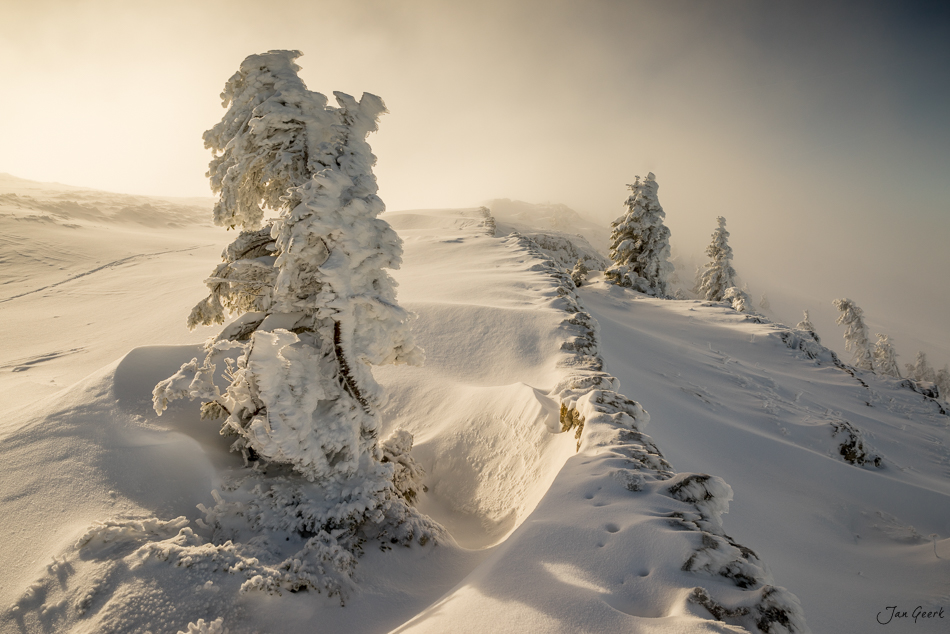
[[818, 130]]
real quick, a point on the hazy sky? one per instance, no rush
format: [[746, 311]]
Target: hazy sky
[[820, 130]]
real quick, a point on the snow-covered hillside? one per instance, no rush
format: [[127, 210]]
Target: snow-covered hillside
[[87, 274], [563, 515]]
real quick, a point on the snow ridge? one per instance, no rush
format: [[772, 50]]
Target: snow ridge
[[609, 423]]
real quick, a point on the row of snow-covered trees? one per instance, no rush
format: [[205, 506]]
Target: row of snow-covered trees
[[881, 356], [640, 252]]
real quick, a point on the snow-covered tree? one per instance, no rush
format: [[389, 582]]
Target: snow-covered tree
[[885, 357], [806, 325], [739, 299], [920, 369], [718, 275], [640, 242], [856, 334], [579, 272], [942, 379], [318, 306]]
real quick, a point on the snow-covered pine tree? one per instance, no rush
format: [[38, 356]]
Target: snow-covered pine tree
[[321, 307], [856, 334], [579, 272], [640, 242], [718, 275], [942, 379], [920, 369], [885, 357], [806, 325]]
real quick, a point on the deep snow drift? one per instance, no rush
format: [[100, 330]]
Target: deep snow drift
[[546, 537]]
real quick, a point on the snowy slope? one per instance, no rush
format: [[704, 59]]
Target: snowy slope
[[544, 537], [87, 275], [736, 401]]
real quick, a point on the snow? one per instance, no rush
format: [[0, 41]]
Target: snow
[[81, 279], [735, 401], [100, 496]]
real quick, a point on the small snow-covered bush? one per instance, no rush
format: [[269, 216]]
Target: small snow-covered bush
[[806, 325], [739, 299], [408, 474], [942, 380], [206, 627], [579, 273]]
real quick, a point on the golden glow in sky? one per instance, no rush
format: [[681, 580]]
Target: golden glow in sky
[[819, 132]]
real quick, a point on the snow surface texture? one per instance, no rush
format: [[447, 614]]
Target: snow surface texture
[[777, 416], [549, 539], [83, 279]]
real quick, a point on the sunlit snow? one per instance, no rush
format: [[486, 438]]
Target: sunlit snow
[[836, 480]]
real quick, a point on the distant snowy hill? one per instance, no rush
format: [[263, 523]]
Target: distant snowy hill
[[564, 515], [68, 205], [82, 278]]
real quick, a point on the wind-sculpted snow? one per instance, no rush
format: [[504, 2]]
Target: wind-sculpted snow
[[607, 422], [75, 263], [562, 514], [858, 462], [563, 248], [73, 207]]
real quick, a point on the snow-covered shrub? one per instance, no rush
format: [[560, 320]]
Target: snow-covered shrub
[[942, 379], [206, 627], [853, 448], [319, 307], [856, 334], [566, 249], [718, 275], [806, 325], [739, 299], [885, 357], [710, 494], [489, 222], [408, 474], [640, 242], [579, 273], [920, 369], [804, 342], [777, 611]]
